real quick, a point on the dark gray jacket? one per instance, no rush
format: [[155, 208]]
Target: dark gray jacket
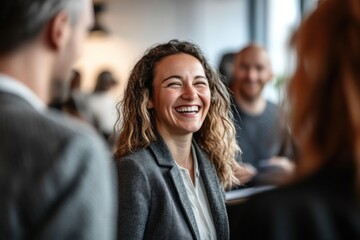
[[56, 180], [153, 202]]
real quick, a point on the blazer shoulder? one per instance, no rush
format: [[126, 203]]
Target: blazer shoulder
[[68, 124], [138, 155], [140, 159]]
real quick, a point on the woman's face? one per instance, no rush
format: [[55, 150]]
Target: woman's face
[[181, 95]]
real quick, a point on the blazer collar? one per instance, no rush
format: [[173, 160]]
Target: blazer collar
[[15, 87], [162, 152], [214, 193], [211, 184], [165, 159]]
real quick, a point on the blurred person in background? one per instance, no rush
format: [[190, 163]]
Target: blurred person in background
[[176, 152], [76, 101], [226, 66], [324, 101], [260, 127], [55, 176], [102, 104]]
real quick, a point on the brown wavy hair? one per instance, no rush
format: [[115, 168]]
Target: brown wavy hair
[[217, 134], [324, 92]]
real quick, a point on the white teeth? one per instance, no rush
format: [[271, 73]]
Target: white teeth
[[187, 109]]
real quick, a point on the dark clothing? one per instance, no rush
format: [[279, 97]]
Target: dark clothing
[[56, 180], [322, 207], [263, 136], [153, 200]]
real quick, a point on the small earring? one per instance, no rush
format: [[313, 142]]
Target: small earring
[[149, 105]]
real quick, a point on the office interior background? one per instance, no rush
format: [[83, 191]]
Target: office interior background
[[124, 29]]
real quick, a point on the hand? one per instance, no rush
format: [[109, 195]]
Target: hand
[[283, 162], [245, 172]]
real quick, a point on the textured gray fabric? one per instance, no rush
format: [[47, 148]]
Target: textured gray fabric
[[263, 136], [56, 179], [153, 202]]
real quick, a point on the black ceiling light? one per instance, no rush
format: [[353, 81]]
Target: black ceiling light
[[98, 27]]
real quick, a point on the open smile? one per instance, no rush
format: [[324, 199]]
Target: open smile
[[187, 109]]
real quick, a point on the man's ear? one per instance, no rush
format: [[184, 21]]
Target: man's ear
[[58, 31]]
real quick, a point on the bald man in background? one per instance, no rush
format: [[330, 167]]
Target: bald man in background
[[56, 180], [261, 132]]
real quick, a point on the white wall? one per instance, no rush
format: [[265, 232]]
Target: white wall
[[215, 25], [282, 24], [283, 19]]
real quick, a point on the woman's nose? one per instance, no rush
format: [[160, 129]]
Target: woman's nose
[[189, 92]]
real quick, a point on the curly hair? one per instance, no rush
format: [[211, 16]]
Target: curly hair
[[217, 134]]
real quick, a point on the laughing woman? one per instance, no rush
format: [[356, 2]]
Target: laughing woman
[[176, 150]]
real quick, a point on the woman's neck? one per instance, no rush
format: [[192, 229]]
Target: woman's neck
[[180, 149]]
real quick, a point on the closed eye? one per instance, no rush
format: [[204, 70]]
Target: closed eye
[[201, 84], [201, 81], [170, 84], [172, 81]]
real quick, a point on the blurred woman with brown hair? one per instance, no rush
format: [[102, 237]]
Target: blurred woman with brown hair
[[324, 98]]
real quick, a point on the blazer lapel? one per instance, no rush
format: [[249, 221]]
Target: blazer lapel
[[164, 158], [214, 193], [184, 200]]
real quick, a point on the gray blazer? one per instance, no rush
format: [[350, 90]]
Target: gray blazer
[[56, 180], [153, 202]]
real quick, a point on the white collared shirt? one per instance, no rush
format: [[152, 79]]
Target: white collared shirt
[[11, 85], [199, 201]]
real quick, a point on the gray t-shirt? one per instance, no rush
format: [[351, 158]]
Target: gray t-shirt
[[262, 136]]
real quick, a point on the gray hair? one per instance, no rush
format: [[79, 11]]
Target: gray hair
[[22, 20]]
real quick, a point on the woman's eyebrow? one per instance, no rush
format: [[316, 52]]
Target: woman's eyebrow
[[172, 76]]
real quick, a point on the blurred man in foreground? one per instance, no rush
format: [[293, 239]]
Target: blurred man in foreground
[[55, 176]]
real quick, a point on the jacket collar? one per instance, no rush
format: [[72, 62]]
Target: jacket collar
[[165, 159], [211, 184], [162, 152], [214, 193], [15, 87]]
